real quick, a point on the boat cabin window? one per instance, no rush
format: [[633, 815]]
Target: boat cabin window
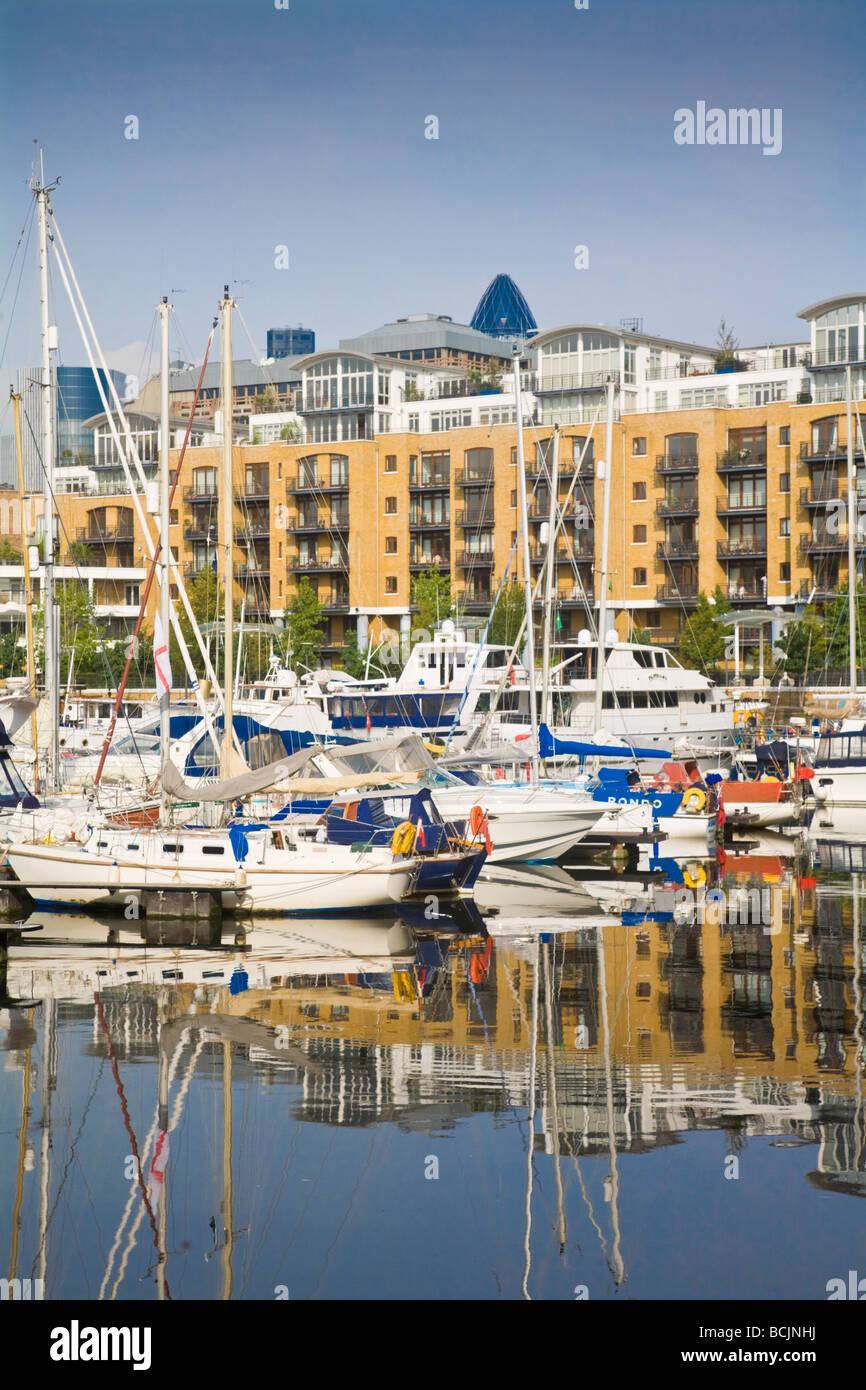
[[102, 844], [172, 849], [660, 659], [640, 700], [495, 659], [671, 699], [643, 658], [132, 847], [213, 849]]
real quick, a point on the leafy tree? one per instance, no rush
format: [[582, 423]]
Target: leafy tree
[[701, 643], [13, 656], [266, 402], [804, 643], [305, 636], [726, 343], [354, 661], [291, 431], [432, 601], [836, 628], [507, 615]]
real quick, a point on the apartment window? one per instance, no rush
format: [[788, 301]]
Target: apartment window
[[638, 492], [514, 455], [390, 506], [390, 545], [638, 535], [390, 463], [514, 497], [638, 447], [660, 400], [639, 578], [785, 572], [652, 618], [785, 526], [784, 482], [784, 434], [172, 517], [391, 584]]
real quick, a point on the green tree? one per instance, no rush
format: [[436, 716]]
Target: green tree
[[290, 432], [836, 628], [432, 602], [304, 634], [804, 643], [726, 344], [353, 660], [701, 642], [9, 554], [13, 655], [507, 615]]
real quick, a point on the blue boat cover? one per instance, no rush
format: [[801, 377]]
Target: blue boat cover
[[550, 747]]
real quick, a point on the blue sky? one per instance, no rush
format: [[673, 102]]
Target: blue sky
[[305, 127]]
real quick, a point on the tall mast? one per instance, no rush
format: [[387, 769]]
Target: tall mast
[[527, 568], [49, 341], [164, 518], [852, 542], [226, 518], [550, 569], [31, 656], [604, 471]]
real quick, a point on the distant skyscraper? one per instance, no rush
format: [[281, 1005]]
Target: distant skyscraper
[[77, 399], [503, 312], [291, 342]]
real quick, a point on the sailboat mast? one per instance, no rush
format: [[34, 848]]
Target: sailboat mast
[[550, 571], [852, 542], [226, 517], [604, 471], [49, 340], [164, 519], [31, 656], [527, 568]]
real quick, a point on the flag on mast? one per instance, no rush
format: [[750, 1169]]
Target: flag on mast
[[161, 658]]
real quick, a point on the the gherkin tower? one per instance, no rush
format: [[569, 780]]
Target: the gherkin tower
[[503, 312]]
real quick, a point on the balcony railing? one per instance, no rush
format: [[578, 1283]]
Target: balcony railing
[[674, 463], [252, 572], [815, 545], [473, 518], [110, 535], [825, 451], [740, 460], [338, 602], [819, 588], [576, 598], [820, 495], [426, 562], [442, 483], [539, 553], [565, 468], [677, 550], [677, 506], [726, 506], [466, 559], [252, 495], [477, 598], [676, 593], [470, 477], [426, 523], [197, 492], [323, 564], [303, 484], [735, 550], [746, 593], [822, 357], [573, 381]]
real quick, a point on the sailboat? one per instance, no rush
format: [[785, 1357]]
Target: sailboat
[[250, 867]]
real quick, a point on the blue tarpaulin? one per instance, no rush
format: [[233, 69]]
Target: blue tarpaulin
[[550, 747]]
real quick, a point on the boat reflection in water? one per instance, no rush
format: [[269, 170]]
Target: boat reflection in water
[[418, 1108]]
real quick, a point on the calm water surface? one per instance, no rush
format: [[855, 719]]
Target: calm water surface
[[583, 1102]]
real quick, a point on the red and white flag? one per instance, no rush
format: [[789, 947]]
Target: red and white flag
[[160, 658]]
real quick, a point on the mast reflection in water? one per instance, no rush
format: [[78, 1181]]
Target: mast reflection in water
[[354, 1109]]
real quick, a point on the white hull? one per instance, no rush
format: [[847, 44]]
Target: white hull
[[525, 823], [342, 879]]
